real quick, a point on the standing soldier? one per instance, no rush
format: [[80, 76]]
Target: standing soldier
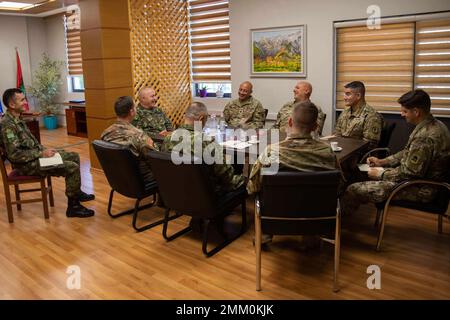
[[245, 112], [426, 155], [24, 151]]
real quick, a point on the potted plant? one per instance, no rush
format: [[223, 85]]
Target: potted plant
[[45, 86], [203, 91]]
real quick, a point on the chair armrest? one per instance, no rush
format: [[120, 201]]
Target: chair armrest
[[363, 159], [404, 184]]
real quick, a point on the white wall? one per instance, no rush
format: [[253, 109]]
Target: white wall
[[318, 16], [13, 33], [33, 37]]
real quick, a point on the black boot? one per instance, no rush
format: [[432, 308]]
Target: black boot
[[83, 196], [75, 209]]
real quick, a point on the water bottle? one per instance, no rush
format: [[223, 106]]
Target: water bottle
[[222, 126]]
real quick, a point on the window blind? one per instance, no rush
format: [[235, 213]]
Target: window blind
[[383, 59], [73, 43], [433, 62], [209, 40]]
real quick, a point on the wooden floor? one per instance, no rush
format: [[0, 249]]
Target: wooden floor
[[118, 263]]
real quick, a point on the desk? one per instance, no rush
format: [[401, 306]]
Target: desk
[[76, 119]]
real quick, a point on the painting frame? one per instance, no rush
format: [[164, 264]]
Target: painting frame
[[267, 63]]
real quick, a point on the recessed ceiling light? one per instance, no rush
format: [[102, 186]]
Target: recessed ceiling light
[[13, 5]]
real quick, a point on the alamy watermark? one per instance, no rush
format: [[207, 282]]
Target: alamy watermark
[[73, 281], [374, 19], [228, 148]]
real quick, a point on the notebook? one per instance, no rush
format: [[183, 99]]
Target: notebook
[[56, 160]]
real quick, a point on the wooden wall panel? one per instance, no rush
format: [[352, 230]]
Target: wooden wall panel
[[160, 53]]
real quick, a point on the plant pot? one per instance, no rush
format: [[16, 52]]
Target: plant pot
[[203, 93], [50, 122]]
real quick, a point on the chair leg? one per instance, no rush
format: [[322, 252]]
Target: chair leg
[[44, 198], [258, 249], [135, 216], [440, 222], [50, 191], [167, 218], [337, 251], [383, 224], [8, 204], [16, 190], [377, 218]]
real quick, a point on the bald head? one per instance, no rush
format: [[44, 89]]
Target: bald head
[[196, 110], [302, 91], [304, 116], [147, 97], [245, 90]]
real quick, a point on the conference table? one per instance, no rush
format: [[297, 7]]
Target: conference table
[[351, 148]]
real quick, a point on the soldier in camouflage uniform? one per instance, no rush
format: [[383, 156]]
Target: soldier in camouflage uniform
[[149, 117], [359, 120], [299, 151], [426, 155], [245, 112], [124, 133], [222, 174], [24, 151], [302, 92]]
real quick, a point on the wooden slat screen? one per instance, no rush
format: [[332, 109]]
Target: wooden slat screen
[[160, 53], [433, 62], [73, 43], [381, 58], [210, 40]]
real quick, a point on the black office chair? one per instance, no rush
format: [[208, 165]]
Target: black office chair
[[382, 151], [121, 168], [187, 189], [439, 206], [299, 203]]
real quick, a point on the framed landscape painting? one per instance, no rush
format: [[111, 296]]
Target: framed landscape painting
[[278, 52]]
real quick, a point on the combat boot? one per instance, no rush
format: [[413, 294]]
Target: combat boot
[[75, 209], [83, 197]]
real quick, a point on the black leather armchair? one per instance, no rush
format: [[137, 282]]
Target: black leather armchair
[[299, 203], [121, 168], [187, 189]]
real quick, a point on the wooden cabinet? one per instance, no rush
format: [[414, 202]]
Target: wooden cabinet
[[33, 125], [76, 120]]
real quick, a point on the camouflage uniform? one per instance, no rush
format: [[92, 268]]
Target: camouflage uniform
[[297, 152], [24, 151], [286, 111], [151, 121], [124, 133], [366, 123], [250, 109], [426, 155], [222, 175]]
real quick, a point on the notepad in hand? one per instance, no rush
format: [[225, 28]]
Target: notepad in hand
[[364, 167], [51, 162]]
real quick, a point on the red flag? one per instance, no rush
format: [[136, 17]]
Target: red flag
[[20, 85]]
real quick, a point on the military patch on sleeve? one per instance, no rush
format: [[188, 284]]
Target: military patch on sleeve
[[375, 129], [10, 135], [414, 159]]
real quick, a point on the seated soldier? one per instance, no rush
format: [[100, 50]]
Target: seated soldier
[[149, 118], [359, 120], [222, 174], [24, 151], [245, 112], [298, 152], [426, 155], [302, 92], [124, 133]]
